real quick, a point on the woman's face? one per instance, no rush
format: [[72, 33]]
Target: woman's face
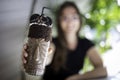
[[69, 21]]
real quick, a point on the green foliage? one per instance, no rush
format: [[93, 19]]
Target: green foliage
[[104, 14]]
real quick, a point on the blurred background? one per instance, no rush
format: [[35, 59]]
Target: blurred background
[[101, 25]]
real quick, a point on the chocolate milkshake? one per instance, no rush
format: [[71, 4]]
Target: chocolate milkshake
[[39, 37]]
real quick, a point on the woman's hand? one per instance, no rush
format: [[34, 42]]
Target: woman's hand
[[24, 53], [74, 77]]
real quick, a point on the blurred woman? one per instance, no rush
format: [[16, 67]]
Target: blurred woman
[[69, 50]]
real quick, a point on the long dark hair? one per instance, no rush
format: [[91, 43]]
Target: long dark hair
[[59, 59]]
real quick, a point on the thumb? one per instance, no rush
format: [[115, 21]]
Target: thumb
[[50, 51]]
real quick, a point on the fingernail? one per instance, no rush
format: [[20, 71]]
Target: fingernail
[[26, 54], [24, 46], [24, 61]]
